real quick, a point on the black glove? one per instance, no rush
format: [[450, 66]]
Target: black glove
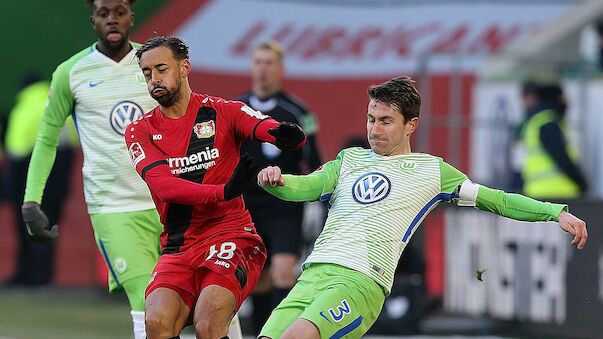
[[289, 136], [242, 175], [37, 223]]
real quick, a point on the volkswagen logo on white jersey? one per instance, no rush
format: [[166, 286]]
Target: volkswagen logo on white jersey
[[123, 114], [370, 188]]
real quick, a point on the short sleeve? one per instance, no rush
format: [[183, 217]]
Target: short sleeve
[[450, 177]]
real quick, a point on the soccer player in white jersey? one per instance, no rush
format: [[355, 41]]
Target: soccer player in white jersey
[[378, 198], [104, 90]]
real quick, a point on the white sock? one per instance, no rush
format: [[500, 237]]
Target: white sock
[[138, 321], [234, 330]]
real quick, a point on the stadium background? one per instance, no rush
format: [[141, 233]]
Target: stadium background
[[336, 49]]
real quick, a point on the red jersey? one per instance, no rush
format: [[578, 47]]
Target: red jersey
[[187, 161]]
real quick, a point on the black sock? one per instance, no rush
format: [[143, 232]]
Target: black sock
[[278, 294], [262, 306]]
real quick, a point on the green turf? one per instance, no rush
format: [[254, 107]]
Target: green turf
[[64, 314]]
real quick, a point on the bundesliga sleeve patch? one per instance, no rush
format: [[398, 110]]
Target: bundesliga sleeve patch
[[136, 153]]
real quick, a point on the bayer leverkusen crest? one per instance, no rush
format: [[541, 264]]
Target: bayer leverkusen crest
[[205, 130]]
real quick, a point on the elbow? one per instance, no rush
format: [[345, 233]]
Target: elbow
[[165, 193]]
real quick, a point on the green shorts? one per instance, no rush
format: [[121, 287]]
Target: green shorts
[[341, 303], [129, 242]]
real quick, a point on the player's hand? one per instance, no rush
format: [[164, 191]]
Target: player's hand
[[289, 136], [272, 176], [37, 223], [574, 226], [239, 182]]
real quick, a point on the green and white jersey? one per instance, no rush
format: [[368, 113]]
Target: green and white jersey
[[103, 96], [377, 205], [378, 202]]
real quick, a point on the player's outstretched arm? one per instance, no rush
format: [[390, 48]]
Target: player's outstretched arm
[[271, 176], [520, 207], [574, 226], [317, 185], [290, 187]]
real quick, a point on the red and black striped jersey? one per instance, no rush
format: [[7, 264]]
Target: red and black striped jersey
[[187, 161]]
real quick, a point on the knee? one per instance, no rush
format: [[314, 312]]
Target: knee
[[204, 328], [157, 326]]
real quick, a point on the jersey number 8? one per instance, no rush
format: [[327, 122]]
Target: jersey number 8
[[226, 251]]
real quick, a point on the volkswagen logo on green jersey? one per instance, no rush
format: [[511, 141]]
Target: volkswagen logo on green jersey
[[370, 188], [123, 114]]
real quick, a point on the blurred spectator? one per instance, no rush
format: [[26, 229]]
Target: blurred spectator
[[34, 260], [278, 222], [551, 168]]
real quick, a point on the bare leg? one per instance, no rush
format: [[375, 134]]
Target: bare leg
[[213, 312], [165, 314]]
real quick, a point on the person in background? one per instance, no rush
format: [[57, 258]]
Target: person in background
[[551, 167], [34, 260], [278, 222]]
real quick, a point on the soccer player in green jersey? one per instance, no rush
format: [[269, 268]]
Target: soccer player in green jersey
[[103, 89], [378, 198]]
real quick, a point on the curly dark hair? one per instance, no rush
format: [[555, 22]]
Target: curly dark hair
[[90, 3], [400, 94], [178, 47]]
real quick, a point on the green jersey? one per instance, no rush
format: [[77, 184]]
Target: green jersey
[[103, 96], [377, 203]]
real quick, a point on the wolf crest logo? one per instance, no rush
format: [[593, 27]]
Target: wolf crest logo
[[205, 130]]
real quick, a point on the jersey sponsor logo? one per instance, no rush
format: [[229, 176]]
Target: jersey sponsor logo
[[198, 161], [123, 114], [157, 137], [205, 130], [370, 188], [93, 84], [136, 153], [222, 263], [253, 113]]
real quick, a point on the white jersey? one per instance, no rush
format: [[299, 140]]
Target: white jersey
[[377, 204], [103, 96]]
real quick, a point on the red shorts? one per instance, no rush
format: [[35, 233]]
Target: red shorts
[[234, 263]]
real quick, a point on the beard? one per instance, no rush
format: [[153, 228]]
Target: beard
[[169, 97]]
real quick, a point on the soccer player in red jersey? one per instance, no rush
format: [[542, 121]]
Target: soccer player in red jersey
[[187, 151]]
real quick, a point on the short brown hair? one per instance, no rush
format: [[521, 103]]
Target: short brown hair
[[272, 45], [400, 94]]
